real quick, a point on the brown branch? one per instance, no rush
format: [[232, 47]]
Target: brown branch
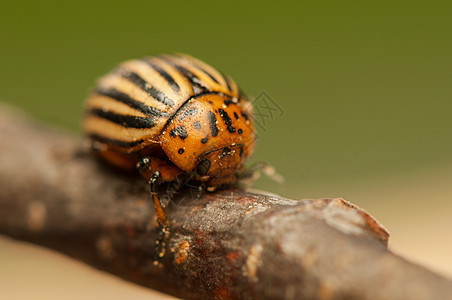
[[231, 244]]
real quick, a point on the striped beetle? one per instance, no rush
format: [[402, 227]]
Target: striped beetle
[[174, 118]]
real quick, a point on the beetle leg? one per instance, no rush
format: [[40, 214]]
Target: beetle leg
[[159, 208], [161, 216], [144, 166], [156, 171], [197, 192], [173, 188]]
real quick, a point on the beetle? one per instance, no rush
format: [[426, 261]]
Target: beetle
[[171, 117]]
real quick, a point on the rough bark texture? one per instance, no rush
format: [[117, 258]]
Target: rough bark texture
[[238, 244]]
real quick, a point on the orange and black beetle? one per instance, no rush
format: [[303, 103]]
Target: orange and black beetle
[[171, 116]]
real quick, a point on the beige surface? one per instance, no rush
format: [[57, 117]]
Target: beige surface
[[418, 213], [32, 272]]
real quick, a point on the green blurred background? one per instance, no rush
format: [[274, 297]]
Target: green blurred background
[[365, 89]]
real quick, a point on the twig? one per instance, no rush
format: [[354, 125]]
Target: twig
[[238, 244]]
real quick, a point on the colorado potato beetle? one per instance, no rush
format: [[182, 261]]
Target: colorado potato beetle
[[172, 117]]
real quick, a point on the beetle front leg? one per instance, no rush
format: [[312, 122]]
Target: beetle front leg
[[155, 171], [161, 216], [159, 208]]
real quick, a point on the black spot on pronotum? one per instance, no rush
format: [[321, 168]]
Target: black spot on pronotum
[[188, 113], [227, 120], [197, 125], [244, 115], [204, 140], [240, 131], [213, 123], [179, 131], [182, 132], [236, 116], [180, 151], [203, 167]]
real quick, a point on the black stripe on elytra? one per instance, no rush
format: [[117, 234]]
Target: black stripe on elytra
[[227, 120], [164, 74], [187, 73], [145, 86], [227, 82], [213, 123], [129, 101], [128, 121], [190, 76], [115, 142], [207, 73]]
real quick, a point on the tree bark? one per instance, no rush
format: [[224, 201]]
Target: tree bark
[[232, 244]]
